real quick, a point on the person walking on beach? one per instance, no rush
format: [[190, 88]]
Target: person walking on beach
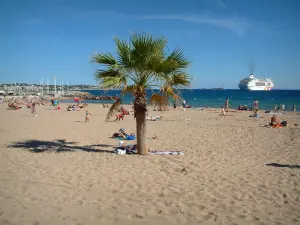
[[294, 108], [255, 104], [227, 104], [183, 104], [87, 116], [223, 112], [275, 108], [33, 108]]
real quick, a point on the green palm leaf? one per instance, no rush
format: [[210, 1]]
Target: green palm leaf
[[114, 107]]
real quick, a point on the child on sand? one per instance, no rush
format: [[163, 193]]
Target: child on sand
[[223, 112], [87, 116]]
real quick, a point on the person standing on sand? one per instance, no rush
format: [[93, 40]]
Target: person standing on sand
[[255, 104], [183, 104], [33, 108], [223, 112], [275, 108], [87, 116], [227, 104], [294, 108]]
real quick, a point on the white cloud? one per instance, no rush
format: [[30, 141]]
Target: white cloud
[[237, 25]]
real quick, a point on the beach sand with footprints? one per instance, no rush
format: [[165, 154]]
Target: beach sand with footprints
[[57, 169]]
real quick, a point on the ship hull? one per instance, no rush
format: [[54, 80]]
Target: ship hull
[[255, 88], [254, 84], [261, 88]]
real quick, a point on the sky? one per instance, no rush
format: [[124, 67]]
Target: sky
[[224, 39]]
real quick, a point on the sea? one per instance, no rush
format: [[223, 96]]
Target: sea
[[216, 98]]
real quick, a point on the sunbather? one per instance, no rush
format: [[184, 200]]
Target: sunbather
[[130, 149], [274, 120], [122, 134]]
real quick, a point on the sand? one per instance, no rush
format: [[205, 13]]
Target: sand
[[222, 178]]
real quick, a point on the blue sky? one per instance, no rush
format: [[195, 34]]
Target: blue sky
[[222, 38]]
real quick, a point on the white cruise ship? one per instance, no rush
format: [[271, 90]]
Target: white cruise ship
[[255, 84]]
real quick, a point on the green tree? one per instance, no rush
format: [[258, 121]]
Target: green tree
[[140, 64]]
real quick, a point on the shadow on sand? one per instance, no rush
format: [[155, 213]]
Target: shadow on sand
[[58, 146], [284, 165]]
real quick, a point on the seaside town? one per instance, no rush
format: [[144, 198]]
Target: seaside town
[[21, 89]]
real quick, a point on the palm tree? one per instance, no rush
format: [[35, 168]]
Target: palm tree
[[168, 90], [140, 64]]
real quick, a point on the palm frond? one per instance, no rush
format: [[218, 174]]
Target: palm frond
[[157, 99], [175, 62], [178, 80], [129, 89], [178, 59], [168, 91], [113, 109], [100, 74], [105, 59], [146, 49], [123, 52], [113, 82]]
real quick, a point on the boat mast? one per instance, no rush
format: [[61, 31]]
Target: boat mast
[[54, 81], [42, 86], [48, 85]]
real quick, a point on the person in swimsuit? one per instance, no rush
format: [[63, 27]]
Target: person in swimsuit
[[255, 104], [87, 116], [274, 120], [227, 104]]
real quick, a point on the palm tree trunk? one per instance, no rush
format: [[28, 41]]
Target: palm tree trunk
[[140, 115], [141, 133]]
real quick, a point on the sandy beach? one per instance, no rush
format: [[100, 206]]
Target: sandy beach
[[222, 178]]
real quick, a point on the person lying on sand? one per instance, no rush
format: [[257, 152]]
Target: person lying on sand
[[122, 134], [14, 106], [130, 149]]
